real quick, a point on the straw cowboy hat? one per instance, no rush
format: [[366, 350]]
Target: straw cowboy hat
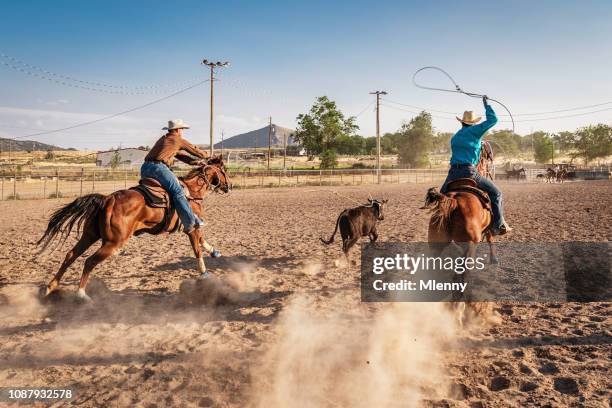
[[176, 124], [468, 117]]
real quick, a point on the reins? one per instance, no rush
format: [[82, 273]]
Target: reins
[[202, 176], [457, 89]]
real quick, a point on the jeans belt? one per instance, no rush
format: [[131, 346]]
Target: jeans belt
[[156, 162], [459, 166]]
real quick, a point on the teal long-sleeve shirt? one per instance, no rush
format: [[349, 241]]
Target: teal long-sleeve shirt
[[465, 144]]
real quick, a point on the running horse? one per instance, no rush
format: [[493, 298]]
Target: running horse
[[116, 217], [463, 216]]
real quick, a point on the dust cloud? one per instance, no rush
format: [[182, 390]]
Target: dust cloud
[[337, 356]]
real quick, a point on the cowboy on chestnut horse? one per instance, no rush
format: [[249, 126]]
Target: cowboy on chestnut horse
[[465, 148], [146, 208], [157, 166]]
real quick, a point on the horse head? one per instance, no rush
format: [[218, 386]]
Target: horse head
[[209, 175]]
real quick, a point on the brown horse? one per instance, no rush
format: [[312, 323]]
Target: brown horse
[[116, 217], [561, 175], [461, 217]]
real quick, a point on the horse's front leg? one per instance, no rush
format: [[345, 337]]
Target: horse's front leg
[[195, 237]]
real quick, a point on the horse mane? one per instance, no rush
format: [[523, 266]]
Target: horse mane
[[216, 161]]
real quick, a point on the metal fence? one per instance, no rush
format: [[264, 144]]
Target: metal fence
[[70, 182]]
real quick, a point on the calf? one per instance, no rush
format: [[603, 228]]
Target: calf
[[358, 222]]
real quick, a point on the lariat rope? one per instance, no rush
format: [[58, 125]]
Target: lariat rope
[[457, 89]]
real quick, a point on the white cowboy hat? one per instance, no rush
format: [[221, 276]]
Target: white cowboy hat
[[468, 117], [176, 124]]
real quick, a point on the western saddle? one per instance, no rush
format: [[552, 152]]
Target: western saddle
[[468, 185], [157, 197]]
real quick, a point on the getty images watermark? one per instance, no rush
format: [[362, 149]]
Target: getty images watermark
[[544, 272]]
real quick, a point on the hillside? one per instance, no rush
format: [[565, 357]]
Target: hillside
[[259, 138], [26, 145]]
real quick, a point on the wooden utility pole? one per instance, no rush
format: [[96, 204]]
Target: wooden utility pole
[[222, 135], [285, 151], [269, 142], [378, 93], [212, 66]]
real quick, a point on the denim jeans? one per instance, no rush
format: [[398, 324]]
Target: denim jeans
[[170, 182], [483, 183]]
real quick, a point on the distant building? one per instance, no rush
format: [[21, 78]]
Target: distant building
[[131, 157]]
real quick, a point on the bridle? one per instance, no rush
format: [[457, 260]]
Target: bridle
[[202, 181]]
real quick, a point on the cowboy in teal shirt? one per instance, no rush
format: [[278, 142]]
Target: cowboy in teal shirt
[[465, 144], [465, 153]]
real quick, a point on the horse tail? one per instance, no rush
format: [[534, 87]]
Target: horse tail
[[78, 212], [441, 207], [331, 239]]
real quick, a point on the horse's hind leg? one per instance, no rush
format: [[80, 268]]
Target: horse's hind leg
[[107, 249], [87, 240]]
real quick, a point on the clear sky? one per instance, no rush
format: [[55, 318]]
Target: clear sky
[[534, 56]]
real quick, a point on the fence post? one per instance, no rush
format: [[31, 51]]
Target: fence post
[[82, 174], [15, 185], [93, 181], [279, 177], [57, 184], [2, 188], [320, 177], [45, 188], [125, 179]]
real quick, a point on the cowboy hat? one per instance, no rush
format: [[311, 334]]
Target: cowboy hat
[[468, 117], [176, 124]]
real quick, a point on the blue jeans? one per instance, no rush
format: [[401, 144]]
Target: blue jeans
[[483, 183], [170, 182]]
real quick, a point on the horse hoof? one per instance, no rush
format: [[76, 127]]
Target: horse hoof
[[494, 260], [205, 275], [83, 297]]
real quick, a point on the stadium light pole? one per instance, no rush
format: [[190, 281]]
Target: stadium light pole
[[212, 65], [378, 93]]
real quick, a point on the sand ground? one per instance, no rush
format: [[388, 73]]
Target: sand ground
[[290, 329]]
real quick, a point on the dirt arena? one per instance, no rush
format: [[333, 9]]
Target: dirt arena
[[286, 326]]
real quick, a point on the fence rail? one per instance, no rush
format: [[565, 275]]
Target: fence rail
[[70, 182], [58, 183]]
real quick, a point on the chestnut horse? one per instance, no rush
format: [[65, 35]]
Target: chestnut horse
[[116, 217], [460, 217]]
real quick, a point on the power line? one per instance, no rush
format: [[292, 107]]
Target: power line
[[113, 115], [65, 80], [364, 109]]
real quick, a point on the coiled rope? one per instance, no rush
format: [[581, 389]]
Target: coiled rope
[[457, 89]]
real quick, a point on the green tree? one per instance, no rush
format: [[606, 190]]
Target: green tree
[[542, 146], [415, 140], [328, 159], [441, 142], [320, 129], [592, 142], [369, 146], [115, 160], [505, 141]]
